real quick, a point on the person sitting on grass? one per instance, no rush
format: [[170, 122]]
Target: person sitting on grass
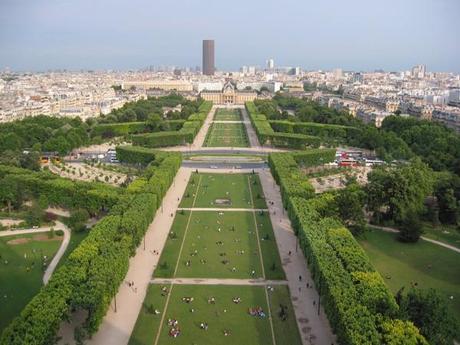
[[236, 300], [187, 299], [204, 326], [226, 332], [164, 291], [211, 300], [174, 332]]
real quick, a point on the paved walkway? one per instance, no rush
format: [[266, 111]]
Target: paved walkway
[[224, 209], [201, 136], [314, 328], [117, 326], [57, 257], [212, 281], [439, 243], [253, 140]]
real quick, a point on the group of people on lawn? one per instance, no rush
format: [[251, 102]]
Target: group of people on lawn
[[175, 331]]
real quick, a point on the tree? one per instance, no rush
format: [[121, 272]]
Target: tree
[[350, 202], [34, 216], [30, 161], [411, 228], [395, 191], [447, 192], [153, 121], [43, 202], [431, 314]]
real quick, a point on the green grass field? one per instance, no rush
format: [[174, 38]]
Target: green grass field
[[429, 265], [226, 135], [233, 191], [443, 233], [221, 245], [223, 114], [21, 277], [223, 315]]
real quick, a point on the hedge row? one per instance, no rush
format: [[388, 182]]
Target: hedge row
[[183, 136], [267, 135], [359, 306], [93, 196], [109, 130], [135, 154], [94, 271], [336, 133]]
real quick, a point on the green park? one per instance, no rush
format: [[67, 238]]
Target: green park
[[227, 135], [223, 114]]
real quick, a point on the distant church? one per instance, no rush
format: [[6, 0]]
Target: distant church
[[229, 95]]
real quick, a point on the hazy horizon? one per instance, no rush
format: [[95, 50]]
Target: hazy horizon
[[120, 35]]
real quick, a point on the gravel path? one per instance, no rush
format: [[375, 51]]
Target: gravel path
[[393, 230]]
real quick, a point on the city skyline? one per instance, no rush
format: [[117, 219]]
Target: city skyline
[[354, 36]]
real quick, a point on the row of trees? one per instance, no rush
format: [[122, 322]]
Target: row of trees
[[185, 134], [142, 110], [43, 133], [94, 271], [267, 135], [58, 134], [360, 307], [17, 185]]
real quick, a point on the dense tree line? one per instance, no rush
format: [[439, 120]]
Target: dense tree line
[[95, 269], [59, 134], [330, 126], [184, 135], [142, 110], [359, 306], [435, 144], [18, 185], [43, 133]]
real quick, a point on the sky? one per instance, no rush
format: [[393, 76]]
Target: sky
[[360, 35]]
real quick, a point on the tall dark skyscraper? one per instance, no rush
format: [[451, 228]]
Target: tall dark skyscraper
[[208, 57]]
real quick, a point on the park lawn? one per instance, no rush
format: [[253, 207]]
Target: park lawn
[[226, 135], [217, 237], [170, 253], [205, 254], [270, 254], [443, 233], [401, 264], [227, 115], [286, 331], [233, 189], [147, 323], [223, 315], [18, 286]]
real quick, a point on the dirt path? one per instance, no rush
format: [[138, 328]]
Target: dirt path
[[439, 243], [57, 257]]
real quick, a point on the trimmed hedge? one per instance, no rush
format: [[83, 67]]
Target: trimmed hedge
[[109, 130], [267, 135], [94, 271], [335, 133], [183, 136], [360, 307], [93, 196]]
